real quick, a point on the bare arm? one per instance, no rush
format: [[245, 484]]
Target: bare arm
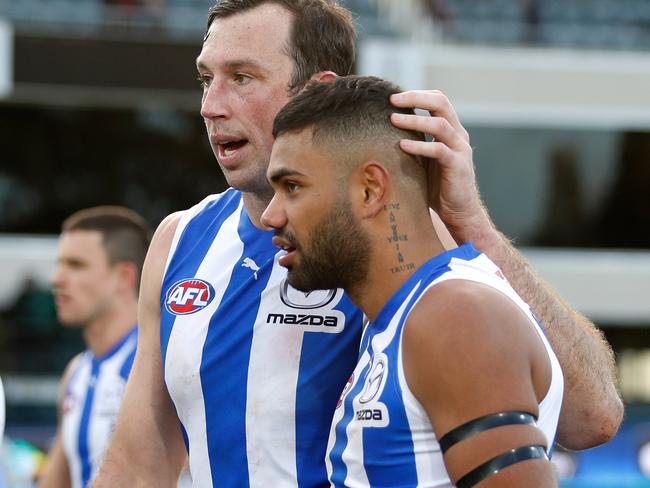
[[491, 361], [147, 448], [591, 399], [592, 409], [57, 472]]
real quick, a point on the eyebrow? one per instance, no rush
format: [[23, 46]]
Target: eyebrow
[[280, 173], [235, 64]]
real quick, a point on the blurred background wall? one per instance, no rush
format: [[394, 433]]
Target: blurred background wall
[[99, 105]]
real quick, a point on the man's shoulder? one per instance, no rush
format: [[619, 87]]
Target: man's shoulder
[[466, 315], [168, 227], [215, 202]]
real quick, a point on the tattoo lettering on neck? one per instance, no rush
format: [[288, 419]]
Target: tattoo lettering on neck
[[395, 237]]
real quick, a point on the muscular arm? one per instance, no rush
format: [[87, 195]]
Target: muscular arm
[[57, 472], [591, 399], [469, 352], [592, 409], [147, 448]]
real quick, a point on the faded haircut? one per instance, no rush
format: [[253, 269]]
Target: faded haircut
[[322, 36], [350, 116], [125, 233]]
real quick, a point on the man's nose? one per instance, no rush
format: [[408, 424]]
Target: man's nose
[[214, 103], [273, 216]]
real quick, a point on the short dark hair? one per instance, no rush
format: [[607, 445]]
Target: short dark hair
[[343, 107], [350, 116], [125, 233], [322, 36]]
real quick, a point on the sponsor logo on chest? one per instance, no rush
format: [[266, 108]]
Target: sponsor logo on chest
[[369, 411], [307, 309]]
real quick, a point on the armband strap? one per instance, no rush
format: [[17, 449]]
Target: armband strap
[[500, 462], [481, 424]]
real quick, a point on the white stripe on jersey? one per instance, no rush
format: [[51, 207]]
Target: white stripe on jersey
[[185, 219], [265, 435], [184, 354], [90, 406]]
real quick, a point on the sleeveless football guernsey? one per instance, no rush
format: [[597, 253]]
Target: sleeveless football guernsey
[[381, 435], [91, 403], [253, 366]]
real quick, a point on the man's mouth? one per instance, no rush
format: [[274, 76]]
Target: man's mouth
[[229, 148], [283, 244], [290, 251]]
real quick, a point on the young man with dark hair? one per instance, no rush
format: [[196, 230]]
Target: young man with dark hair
[[233, 363], [455, 380], [101, 253]]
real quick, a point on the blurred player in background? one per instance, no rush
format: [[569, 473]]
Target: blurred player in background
[[100, 257], [231, 360]]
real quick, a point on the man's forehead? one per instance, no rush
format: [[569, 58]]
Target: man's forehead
[[235, 39], [81, 244], [265, 23], [82, 238], [293, 151]]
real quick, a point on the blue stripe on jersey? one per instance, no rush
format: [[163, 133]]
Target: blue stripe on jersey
[[225, 361], [83, 426], [96, 364], [186, 439], [190, 251], [403, 467], [374, 440], [118, 345], [312, 435], [125, 370], [339, 469], [404, 472]]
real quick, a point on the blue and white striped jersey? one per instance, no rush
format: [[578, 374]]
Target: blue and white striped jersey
[[381, 435], [253, 366], [91, 402]]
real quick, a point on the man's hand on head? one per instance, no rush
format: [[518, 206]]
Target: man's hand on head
[[453, 193]]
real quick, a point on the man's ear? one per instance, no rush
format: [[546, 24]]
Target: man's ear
[[128, 273], [371, 188], [324, 76]]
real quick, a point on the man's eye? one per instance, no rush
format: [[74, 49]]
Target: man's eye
[[241, 79], [204, 81], [291, 186]]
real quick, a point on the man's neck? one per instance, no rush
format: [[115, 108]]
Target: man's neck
[[102, 333], [395, 258], [255, 204]]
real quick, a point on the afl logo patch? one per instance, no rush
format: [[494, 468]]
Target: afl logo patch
[[188, 296]]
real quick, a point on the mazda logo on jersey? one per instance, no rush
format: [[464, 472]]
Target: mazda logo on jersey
[[305, 300], [374, 380], [188, 296], [309, 312], [369, 410]]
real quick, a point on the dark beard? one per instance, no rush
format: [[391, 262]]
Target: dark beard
[[338, 256]]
